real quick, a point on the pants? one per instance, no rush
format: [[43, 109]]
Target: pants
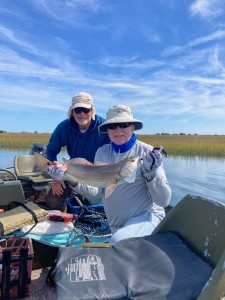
[[137, 226]]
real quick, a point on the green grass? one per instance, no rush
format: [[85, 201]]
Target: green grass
[[182, 145]]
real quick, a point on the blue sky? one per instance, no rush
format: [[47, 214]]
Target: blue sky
[[165, 59]]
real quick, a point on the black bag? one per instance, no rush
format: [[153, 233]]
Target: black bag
[[155, 267]]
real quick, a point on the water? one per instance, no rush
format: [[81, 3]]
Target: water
[[199, 176]]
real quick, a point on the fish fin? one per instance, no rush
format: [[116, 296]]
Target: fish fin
[[79, 161], [129, 170], [109, 189], [131, 178]]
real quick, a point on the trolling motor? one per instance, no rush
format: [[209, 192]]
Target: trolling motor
[[39, 148]]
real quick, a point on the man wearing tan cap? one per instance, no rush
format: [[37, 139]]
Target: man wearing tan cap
[[79, 134]]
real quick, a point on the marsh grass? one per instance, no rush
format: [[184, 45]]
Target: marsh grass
[[188, 145], [182, 145], [22, 141]]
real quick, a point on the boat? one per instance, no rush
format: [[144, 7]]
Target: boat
[[34, 184], [199, 221]]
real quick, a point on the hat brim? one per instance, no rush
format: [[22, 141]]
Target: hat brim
[[137, 123], [69, 114], [81, 105]]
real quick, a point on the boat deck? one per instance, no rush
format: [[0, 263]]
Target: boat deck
[[40, 289]]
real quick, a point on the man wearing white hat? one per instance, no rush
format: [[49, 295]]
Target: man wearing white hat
[[133, 209], [79, 134]]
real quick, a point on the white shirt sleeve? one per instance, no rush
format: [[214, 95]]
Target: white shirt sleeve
[[159, 189]]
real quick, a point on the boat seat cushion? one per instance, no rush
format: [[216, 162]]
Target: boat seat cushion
[[159, 266]]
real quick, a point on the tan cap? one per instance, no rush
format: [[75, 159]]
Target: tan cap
[[82, 99]]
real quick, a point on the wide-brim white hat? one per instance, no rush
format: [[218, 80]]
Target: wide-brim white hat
[[120, 114]]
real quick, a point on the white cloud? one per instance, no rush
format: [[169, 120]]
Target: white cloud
[[9, 35], [217, 35], [216, 62], [133, 62], [207, 8], [11, 62], [212, 37], [76, 11]]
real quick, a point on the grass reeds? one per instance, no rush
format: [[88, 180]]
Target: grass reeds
[[22, 140], [182, 145], [188, 145]]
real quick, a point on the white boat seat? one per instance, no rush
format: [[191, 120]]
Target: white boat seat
[[23, 166], [201, 223]]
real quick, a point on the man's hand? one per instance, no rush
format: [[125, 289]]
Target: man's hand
[[58, 187], [151, 161], [56, 171]]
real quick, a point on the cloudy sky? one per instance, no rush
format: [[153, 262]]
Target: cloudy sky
[[165, 59]]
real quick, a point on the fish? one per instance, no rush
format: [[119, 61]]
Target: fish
[[101, 175]]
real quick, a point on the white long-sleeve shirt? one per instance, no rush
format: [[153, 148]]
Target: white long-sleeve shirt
[[129, 199]]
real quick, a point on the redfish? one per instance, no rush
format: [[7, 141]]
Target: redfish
[[100, 175]]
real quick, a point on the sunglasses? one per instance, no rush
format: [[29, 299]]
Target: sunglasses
[[78, 110], [120, 125]]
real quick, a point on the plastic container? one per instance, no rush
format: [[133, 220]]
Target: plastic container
[[16, 258], [74, 208]]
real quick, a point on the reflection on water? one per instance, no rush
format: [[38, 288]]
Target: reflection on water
[[199, 176]]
